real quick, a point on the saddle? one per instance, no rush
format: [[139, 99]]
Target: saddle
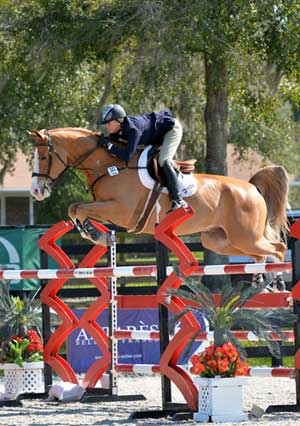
[[153, 167], [156, 171]]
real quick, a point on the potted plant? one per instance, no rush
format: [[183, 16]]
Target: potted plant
[[21, 345], [219, 367]]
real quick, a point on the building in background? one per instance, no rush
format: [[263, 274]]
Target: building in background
[[16, 202]]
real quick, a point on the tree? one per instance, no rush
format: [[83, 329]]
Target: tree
[[234, 63]]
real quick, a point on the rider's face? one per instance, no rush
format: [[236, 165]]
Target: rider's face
[[113, 126]]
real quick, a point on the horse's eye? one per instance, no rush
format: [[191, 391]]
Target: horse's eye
[[44, 157]]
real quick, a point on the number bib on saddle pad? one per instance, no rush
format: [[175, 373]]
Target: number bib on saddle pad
[[187, 182]]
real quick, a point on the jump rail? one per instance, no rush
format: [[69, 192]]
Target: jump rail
[[141, 271], [155, 335], [253, 371]]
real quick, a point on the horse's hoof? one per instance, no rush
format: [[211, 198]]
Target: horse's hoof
[[269, 289], [280, 284], [78, 225], [258, 281], [98, 237]]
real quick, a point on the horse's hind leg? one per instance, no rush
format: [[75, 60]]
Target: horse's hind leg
[[263, 248], [217, 241], [243, 217]]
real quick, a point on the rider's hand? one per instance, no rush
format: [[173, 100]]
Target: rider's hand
[[105, 142]]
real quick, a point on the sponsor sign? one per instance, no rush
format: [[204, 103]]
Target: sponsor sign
[[82, 349], [19, 250]]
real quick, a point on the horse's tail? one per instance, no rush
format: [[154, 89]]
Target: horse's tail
[[272, 183]]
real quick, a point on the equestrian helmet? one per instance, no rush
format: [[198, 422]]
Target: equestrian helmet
[[112, 112]]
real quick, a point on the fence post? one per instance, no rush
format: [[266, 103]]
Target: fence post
[[162, 261], [296, 309], [46, 321]]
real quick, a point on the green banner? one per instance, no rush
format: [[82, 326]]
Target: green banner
[[19, 250]]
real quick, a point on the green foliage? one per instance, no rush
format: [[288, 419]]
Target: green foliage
[[231, 314], [69, 190], [16, 350], [17, 315], [61, 61], [19, 349]]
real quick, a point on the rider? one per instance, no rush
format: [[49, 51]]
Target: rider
[[156, 129]]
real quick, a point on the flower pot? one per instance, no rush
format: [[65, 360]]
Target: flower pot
[[220, 399], [26, 379]]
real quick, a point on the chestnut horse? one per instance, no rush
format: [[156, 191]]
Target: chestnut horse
[[234, 217]]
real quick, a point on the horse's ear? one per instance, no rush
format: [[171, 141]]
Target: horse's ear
[[36, 135], [31, 134]]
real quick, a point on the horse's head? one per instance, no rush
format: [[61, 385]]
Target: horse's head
[[49, 164]]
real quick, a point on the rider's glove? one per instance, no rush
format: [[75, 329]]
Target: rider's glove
[[104, 142]]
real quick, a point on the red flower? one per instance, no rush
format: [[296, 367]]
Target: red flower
[[197, 369], [241, 369], [35, 344], [33, 335], [223, 365], [223, 360], [212, 364], [209, 353], [220, 352], [195, 359], [34, 347], [17, 339]]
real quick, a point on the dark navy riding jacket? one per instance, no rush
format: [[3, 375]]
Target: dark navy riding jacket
[[148, 129]]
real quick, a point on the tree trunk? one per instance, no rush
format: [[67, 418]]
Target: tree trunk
[[109, 73], [216, 114]]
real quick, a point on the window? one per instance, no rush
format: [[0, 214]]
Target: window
[[17, 210]]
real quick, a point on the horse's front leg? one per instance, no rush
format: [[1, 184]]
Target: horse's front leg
[[100, 210]]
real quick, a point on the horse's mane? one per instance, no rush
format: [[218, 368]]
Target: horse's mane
[[77, 130]]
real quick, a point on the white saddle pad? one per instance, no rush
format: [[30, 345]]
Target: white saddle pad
[[187, 182]]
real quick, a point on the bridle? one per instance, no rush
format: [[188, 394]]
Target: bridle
[[52, 151]]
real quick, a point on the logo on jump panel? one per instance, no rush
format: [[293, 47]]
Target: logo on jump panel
[[12, 258]]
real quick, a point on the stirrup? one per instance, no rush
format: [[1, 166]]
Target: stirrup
[[176, 204]]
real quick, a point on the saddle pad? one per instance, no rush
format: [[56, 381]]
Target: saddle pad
[[187, 183]]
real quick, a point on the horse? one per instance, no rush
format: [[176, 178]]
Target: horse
[[234, 217]]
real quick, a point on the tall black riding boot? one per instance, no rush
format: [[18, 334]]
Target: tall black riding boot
[[173, 186]]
